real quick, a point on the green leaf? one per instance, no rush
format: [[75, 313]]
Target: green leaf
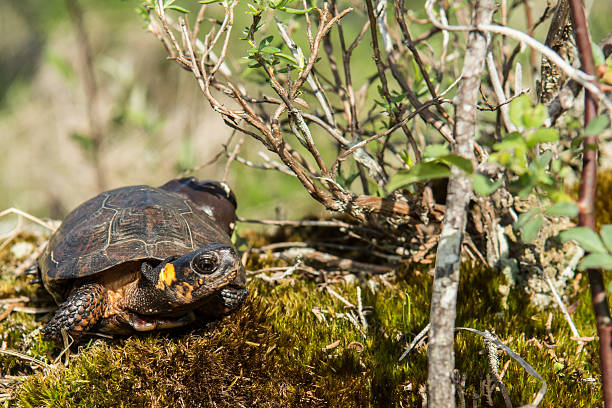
[[512, 141], [563, 209], [526, 216], [577, 142], [483, 186], [531, 228], [535, 117], [210, 1], [598, 55], [596, 126], [419, 172], [518, 107], [435, 151], [544, 159], [266, 41], [279, 4], [543, 135], [296, 11], [287, 58], [603, 261], [461, 162], [269, 49], [179, 9], [586, 237], [606, 236]]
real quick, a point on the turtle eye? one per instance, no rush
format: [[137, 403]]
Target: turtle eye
[[206, 263]]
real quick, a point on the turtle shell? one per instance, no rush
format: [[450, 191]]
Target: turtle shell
[[123, 225]]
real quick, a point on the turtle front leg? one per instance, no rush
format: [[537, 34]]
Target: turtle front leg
[[78, 314]]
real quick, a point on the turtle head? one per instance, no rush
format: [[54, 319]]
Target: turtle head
[[190, 279]]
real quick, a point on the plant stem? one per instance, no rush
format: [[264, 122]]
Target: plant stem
[[586, 203], [441, 357]]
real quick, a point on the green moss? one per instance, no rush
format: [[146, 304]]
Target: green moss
[[273, 352]]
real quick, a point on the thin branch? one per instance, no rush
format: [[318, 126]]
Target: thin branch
[[579, 76], [441, 357]]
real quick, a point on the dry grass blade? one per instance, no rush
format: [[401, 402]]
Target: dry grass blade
[[23, 356], [488, 336]]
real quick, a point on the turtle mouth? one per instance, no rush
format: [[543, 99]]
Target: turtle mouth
[[142, 323]]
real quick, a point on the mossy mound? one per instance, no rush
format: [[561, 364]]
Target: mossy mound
[[291, 346]]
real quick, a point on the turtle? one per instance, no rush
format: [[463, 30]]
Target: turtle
[[142, 258]]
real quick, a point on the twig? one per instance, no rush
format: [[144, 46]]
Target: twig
[[298, 223], [488, 336], [362, 319], [441, 357], [579, 76], [417, 339], [288, 272], [499, 93], [339, 297], [23, 356], [232, 157], [91, 90], [30, 217], [557, 298], [587, 197], [494, 367]]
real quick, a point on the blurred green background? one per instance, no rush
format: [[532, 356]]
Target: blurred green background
[[156, 122]]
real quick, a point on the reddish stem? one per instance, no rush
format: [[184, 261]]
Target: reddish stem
[[586, 203]]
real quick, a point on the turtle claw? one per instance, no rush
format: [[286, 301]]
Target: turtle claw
[[233, 297], [78, 314]]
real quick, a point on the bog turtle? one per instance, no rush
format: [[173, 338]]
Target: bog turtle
[[143, 258]]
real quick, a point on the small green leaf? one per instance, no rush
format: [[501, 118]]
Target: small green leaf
[[435, 151], [461, 162], [603, 261], [512, 141], [543, 135], [596, 126], [563, 209], [296, 11], [287, 58], [266, 41], [544, 159], [518, 107], [210, 1], [598, 55], [535, 117], [558, 366], [419, 172], [586, 237], [577, 142], [606, 236], [483, 186], [179, 9], [531, 229], [269, 49], [526, 216]]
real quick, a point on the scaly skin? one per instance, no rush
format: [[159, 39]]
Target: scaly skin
[[78, 314]]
